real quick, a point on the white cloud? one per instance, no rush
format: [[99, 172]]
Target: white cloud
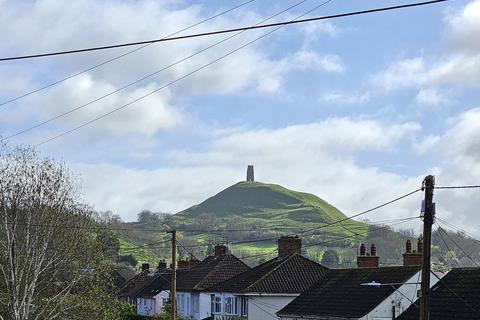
[[458, 151], [459, 141], [464, 28], [252, 68], [345, 98], [430, 97], [316, 157], [459, 67], [146, 116]]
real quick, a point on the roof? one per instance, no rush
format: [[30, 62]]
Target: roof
[[160, 282], [135, 284], [339, 288], [212, 270], [290, 274], [455, 296]]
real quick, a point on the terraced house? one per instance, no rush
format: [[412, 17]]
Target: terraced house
[[262, 291]]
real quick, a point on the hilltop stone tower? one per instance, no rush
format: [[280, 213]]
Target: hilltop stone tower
[[250, 173]]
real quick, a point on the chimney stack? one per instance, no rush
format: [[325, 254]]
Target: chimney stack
[[368, 260], [250, 173], [413, 258], [220, 249], [162, 265], [288, 245], [145, 267]]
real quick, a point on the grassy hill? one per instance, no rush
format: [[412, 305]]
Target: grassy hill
[[276, 205], [270, 207], [259, 210]]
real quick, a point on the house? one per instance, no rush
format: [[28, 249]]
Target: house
[[151, 298], [260, 292], [191, 301], [129, 290], [363, 293], [455, 296]]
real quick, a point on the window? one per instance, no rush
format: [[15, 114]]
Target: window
[[216, 304], [231, 305], [196, 303], [244, 306], [164, 302]]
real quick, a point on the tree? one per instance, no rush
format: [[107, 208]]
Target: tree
[[49, 262], [129, 259], [109, 244], [330, 258]]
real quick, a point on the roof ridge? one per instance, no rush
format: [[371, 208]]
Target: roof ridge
[[236, 259], [209, 272], [288, 258]]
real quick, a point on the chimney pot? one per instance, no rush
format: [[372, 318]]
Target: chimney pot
[[420, 244], [182, 264], [368, 259], [145, 266], [408, 248], [220, 249], [288, 245], [362, 249], [162, 265], [413, 257]]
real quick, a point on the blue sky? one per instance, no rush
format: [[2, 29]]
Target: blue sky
[[356, 110]]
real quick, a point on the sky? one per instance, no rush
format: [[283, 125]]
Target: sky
[[356, 110]]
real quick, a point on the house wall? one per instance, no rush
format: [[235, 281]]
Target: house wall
[[184, 301], [160, 300], [401, 298], [146, 306], [204, 306], [265, 307], [152, 305]]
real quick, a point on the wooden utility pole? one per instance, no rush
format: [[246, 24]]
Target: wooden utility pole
[[428, 216], [173, 288]]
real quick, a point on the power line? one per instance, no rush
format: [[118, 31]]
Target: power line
[[366, 211], [472, 237], [458, 246], [459, 187], [176, 80], [222, 31], [60, 115], [446, 245], [121, 56]]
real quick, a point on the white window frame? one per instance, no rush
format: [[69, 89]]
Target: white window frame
[[217, 302]]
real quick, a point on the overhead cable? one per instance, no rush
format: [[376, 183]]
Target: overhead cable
[[51, 84], [72, 110], [39, 55]]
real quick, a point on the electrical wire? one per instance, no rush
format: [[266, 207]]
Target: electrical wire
[[346, 218], [458, 187], [176, 80], [472, 237], [457, 245], [74, 109], [120, 56], [366, 211], [39, 55], [439, 229]]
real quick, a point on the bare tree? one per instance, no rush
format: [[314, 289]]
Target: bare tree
[[47, 254]]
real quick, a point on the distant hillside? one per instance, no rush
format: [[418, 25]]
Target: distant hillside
[[273, 203], [254, 210]]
